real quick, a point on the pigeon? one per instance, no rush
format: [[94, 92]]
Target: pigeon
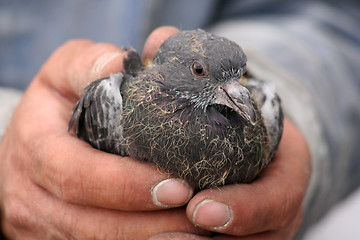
[[194, 111]]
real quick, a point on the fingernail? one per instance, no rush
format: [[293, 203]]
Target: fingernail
[[212, 214], [171, 193], [104, 59]]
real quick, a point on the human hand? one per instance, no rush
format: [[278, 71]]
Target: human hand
[[268, 208], [55, 186]]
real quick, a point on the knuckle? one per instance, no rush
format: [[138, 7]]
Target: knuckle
[[16, 214], [126, 198], [290, 208], [47, 172], [253, 219], [285, 221], [67, 187]]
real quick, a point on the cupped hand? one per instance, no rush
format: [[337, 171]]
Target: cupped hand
[[55, 186]]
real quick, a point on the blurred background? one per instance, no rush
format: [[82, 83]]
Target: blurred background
[[341, 222]]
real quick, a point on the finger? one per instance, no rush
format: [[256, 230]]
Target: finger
[[270, 202], [78, 62], [51, 218], [286, 233], [155, 39]]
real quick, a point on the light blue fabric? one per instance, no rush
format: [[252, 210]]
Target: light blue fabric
[[310, 49]]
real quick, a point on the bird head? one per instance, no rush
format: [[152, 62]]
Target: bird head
[[206, 70]]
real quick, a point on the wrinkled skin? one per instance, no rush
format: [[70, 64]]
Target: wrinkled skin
[[55, 186]]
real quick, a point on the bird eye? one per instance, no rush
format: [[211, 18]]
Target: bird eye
[[198, 69]]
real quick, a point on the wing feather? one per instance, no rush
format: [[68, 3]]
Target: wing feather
[[268, 101], [96, 116]]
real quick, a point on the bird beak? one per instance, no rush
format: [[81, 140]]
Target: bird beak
[[237, 97]]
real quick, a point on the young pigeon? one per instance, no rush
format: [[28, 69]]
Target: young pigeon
[[192, 112]]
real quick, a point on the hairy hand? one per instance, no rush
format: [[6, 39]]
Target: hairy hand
[[55, 186]]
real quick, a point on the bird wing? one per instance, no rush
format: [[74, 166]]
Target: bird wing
[[96, 116], [265, 96]]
